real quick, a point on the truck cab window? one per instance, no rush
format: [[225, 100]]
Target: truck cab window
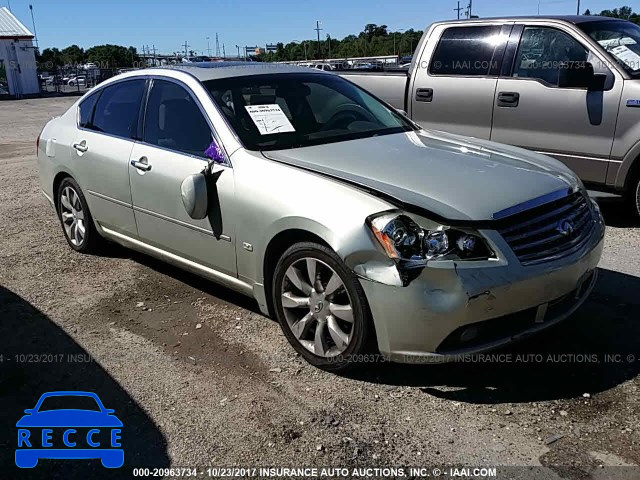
[[466, 51], [544, 52]]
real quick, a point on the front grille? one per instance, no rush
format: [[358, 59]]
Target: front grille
[[554, 229]]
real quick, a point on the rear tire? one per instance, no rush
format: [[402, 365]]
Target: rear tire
[[325, 316], [75, 218]]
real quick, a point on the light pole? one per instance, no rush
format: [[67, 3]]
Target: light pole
[[394, 39], [578, 8], [318, 29], [238, 47], [34, 26]]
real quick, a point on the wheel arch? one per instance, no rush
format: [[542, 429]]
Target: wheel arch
[[632, 174], [57, 180], [629, 170], [278, 244]]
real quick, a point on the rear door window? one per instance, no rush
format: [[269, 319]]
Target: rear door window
[[118, 109], [174, 120], [466, 51], [86, 110]]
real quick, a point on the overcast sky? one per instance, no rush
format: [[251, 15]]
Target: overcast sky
[[61, 23]]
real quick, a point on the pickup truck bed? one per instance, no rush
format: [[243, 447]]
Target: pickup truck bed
[[388, 86]]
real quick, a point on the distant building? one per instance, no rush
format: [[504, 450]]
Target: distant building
[[18, 69]]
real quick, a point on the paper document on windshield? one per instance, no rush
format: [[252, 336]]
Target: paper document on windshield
[[269, 119], [628, 56]]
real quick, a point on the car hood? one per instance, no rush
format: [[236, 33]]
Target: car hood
[[454, 177], [69, 418]]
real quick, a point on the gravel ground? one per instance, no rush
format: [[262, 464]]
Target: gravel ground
[[199, 377]]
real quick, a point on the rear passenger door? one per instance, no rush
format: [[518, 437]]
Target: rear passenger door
[[175, 136], [107, 128], [536, 111], [454, 90]]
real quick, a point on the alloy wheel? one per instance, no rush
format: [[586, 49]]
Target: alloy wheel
[[72, 216], [317, 307]]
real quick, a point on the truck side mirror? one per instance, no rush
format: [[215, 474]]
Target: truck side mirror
[[580, 75], [194, 196]]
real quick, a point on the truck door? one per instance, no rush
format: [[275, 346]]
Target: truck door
[[541, 106], [453, 84]]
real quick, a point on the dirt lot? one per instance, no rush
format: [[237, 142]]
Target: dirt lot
[[199, 377]]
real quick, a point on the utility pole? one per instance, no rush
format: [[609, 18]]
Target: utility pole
[[186, 45], [217, 46], [318, 29], [34, 25], [238, 47], [470, 12], [459, 9], [224, 52], [208, 46], [154, 55], [578, 8]]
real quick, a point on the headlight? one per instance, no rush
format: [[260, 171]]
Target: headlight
[[405, 241]]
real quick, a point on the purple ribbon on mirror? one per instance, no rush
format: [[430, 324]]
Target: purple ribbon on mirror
[[214, 152]]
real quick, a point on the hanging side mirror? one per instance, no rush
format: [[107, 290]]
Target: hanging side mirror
[[194, 188], [194, 196]]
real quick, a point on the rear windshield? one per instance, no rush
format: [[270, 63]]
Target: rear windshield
[[291, 110], [621, 40]]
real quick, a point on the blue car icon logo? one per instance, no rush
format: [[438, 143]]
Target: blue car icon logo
[[69, 425]]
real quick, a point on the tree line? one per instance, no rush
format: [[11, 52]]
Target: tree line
[[374, 40], [625, 13], [106, 56]]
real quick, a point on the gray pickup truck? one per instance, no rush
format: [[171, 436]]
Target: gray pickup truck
[[568, 87]]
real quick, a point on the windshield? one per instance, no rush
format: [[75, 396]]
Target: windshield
[[620, 39], [290, 110], [69, 402]]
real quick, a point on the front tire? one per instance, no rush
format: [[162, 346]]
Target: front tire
[[321, 307], [634, 197], [75, 218]]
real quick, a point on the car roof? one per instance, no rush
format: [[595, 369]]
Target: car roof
[[205, 71], [72, 393], [575, 19]]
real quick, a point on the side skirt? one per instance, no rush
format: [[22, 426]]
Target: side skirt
[[181, 262]]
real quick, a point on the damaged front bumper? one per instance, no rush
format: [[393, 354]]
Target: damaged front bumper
[[460, 308]]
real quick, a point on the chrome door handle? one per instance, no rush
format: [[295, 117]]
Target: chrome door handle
[[145, 167], [80, 147]]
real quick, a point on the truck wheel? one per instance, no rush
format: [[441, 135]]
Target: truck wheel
[[635, 197]]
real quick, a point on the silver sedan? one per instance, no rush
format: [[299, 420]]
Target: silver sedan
[[359, 231]]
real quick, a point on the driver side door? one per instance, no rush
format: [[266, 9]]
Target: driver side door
[[176, 134]]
